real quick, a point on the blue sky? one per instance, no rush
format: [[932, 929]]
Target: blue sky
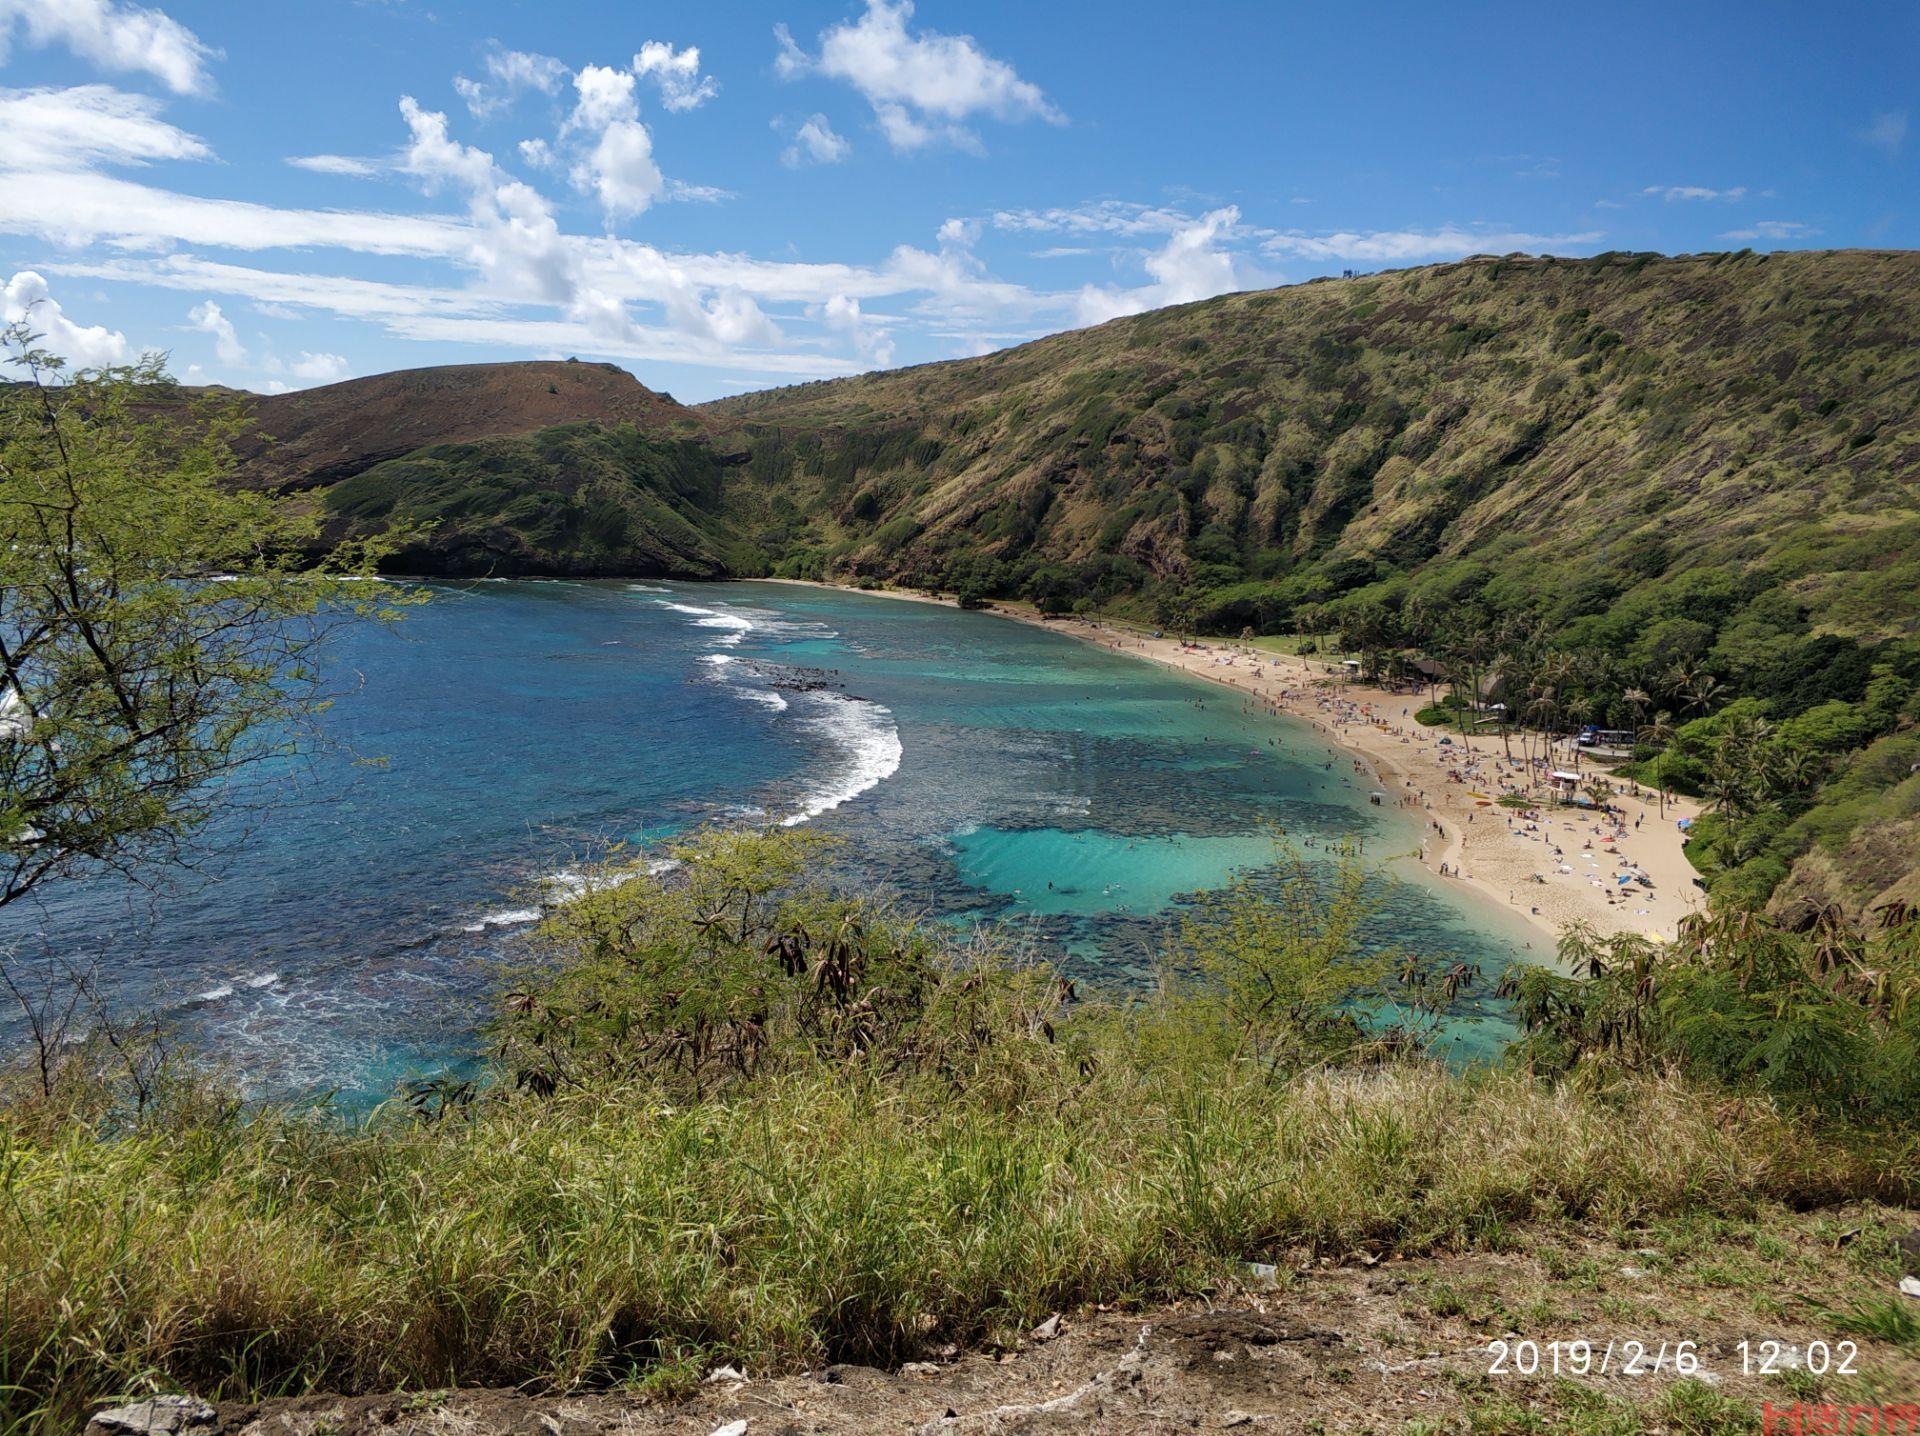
[[741, 193]]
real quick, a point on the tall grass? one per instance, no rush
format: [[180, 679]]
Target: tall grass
[[733, 1122], [818, 1217]]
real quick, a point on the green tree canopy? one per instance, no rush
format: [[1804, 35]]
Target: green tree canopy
[[158, 629]]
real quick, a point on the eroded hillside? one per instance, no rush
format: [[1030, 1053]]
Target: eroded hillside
[[1609, 422]]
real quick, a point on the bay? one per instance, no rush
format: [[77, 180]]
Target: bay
[[505, 734]]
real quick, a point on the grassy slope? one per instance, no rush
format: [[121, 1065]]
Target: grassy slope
[[577, 499], [539, 467], [1624, 415], [810, 1220]]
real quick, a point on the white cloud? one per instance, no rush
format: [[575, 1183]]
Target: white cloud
[[1191, 266], [1772, 229], [26, 300], [513, 255], [815, 142], [320, 368], [676, 73], [1695, 191], [1110, 216], [617, 166], [524, 70], [72, 209], [85, 125], [512, 72], [843, 313], [697, 193], [920, 85], [114, 37], [605, 95], [1887, 132], [335, 165], [207, 318], [734, 318], [1409, 246], [621, 169], [959, 233], [271, 290], [435, 157]]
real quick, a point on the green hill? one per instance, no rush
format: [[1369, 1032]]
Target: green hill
[[1578, 432]]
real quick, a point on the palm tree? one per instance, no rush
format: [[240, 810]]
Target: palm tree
[[1802, 769], [1659, 731], [1636, 698]]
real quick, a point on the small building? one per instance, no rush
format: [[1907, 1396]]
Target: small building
[[1563, 782]]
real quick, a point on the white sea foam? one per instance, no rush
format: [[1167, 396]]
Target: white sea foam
[[563, 887], [765, 697], [870, 739], [214, 994], [570, 883], [646, 588], [506, 917], [736, 626], [265, 979]]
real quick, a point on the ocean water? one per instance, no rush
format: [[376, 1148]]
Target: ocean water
[[505, 733]]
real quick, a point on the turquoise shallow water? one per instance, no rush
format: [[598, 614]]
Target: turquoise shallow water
[[984, 770]]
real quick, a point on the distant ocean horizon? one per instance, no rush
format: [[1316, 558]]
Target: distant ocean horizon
[[345, 931]]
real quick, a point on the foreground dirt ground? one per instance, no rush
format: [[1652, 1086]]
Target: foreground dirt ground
[[1386, 1346]]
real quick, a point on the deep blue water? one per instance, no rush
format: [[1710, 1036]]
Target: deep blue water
[[507, 731]]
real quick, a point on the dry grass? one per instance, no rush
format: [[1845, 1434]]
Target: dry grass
[[611, 1238]]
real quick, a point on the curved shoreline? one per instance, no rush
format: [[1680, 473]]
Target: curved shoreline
[[1493, 860]]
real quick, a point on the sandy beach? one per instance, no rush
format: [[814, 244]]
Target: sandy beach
[[1550, 865]]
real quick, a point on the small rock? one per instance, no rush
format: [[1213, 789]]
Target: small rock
[[725, 1373], [732, 1428], [920, 1368], [159, 1416], [1048, 1329], [1910, 1285], [1235, 1418]]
